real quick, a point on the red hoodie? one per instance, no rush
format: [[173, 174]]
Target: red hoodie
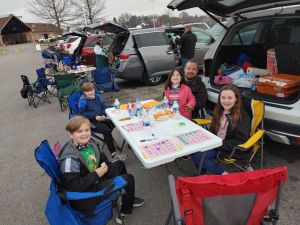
[[185, 97]]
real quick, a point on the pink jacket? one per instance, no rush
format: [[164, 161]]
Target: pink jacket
[[185, 97]]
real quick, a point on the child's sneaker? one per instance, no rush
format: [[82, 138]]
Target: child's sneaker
[[120, 218], [138, 202], [119, 156]]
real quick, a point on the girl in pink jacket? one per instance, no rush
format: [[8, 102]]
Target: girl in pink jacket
[[175, 90]]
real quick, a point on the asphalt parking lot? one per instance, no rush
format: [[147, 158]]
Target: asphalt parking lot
[[23, 185]]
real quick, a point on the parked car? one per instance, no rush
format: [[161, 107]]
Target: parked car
[[218, 30], [255, 27], [147, 54], [88, 56], [71, 44], [46, 40]]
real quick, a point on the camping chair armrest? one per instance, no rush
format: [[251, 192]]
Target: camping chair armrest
[[117, 185], [174, 199], [202, 121], [252, 140]]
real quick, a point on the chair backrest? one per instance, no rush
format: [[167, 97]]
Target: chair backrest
[[102, 75], [256, 110], [47, 160], [25, 80], [41, 73], [63, 81], [73, 100], [239, 198]]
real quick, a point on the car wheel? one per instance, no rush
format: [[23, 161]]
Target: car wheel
[[42, 42], [153, 80]]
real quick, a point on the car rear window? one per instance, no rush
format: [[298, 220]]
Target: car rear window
[[151, 39], [72, 39], [246, 35]]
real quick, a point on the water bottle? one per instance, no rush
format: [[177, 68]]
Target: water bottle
[[175, 108], [138, 108], [165, 103], [146, 119], [117, 105], [130, 110]]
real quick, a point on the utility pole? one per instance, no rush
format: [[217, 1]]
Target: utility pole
[[153, 19]]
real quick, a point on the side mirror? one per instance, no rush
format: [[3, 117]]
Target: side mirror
[[212, 40]]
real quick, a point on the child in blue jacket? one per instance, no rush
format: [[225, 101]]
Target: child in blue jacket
[[91, 106]]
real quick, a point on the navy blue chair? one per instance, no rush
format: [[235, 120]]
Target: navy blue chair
[[35, 92], [46, 81], [105, 80], [58, 210], [73, 101]]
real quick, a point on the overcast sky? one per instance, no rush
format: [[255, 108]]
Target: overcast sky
[[114, 8]]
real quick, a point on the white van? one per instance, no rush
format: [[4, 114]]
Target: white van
[[256, 26]]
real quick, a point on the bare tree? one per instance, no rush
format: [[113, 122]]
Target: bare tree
[[92, 10], [54, 11], [124, 19]]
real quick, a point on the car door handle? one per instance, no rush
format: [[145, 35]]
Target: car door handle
[[169, 52]]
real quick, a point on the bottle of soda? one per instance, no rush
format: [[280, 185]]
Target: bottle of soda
[[175, 108]]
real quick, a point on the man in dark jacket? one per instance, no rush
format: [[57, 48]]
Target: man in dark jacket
[[187, 44], [196, 85]]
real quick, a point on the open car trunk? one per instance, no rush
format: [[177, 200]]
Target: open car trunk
[[279, 33]]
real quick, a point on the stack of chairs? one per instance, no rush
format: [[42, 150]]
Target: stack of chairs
[[35, 92]]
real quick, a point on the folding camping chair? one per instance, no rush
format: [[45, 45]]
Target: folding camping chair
[[46, 81], [66, 85], [34, 92], [243, 154], [58, 210], [104, 80], [73, 101], [240, 198]]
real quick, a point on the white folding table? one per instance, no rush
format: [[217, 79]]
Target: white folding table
[[159, 131]]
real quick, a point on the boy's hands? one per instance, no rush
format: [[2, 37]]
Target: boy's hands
[[100, 118], [101, 170]]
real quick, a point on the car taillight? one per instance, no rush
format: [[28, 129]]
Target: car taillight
[[69, 45], [87, 51], [123, 57]]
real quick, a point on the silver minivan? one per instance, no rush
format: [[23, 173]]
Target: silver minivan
[[256, 26], [147, 54]]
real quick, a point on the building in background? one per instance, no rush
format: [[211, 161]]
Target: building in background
[[14, 31]]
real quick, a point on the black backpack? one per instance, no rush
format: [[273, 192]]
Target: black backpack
[[24, 92]]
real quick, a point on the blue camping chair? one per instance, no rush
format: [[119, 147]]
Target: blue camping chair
[[44, 80], [34, 92], [73, 100], [58, 210], [105, 81]]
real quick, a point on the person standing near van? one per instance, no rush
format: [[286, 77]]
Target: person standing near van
[[187, 44], [101, 54]]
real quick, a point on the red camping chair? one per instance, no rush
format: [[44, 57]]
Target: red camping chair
[[238, 198]]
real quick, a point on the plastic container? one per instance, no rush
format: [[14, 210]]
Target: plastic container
[[138, 108], [117, 104], [130, 110], [175, 109], [165, 102]]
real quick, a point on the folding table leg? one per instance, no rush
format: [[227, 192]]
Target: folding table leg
[[201, 164]]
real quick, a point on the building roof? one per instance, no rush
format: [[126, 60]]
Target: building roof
[[4, 20], [42, 27]]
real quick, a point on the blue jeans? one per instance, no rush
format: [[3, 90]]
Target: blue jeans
[[208, 163]]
